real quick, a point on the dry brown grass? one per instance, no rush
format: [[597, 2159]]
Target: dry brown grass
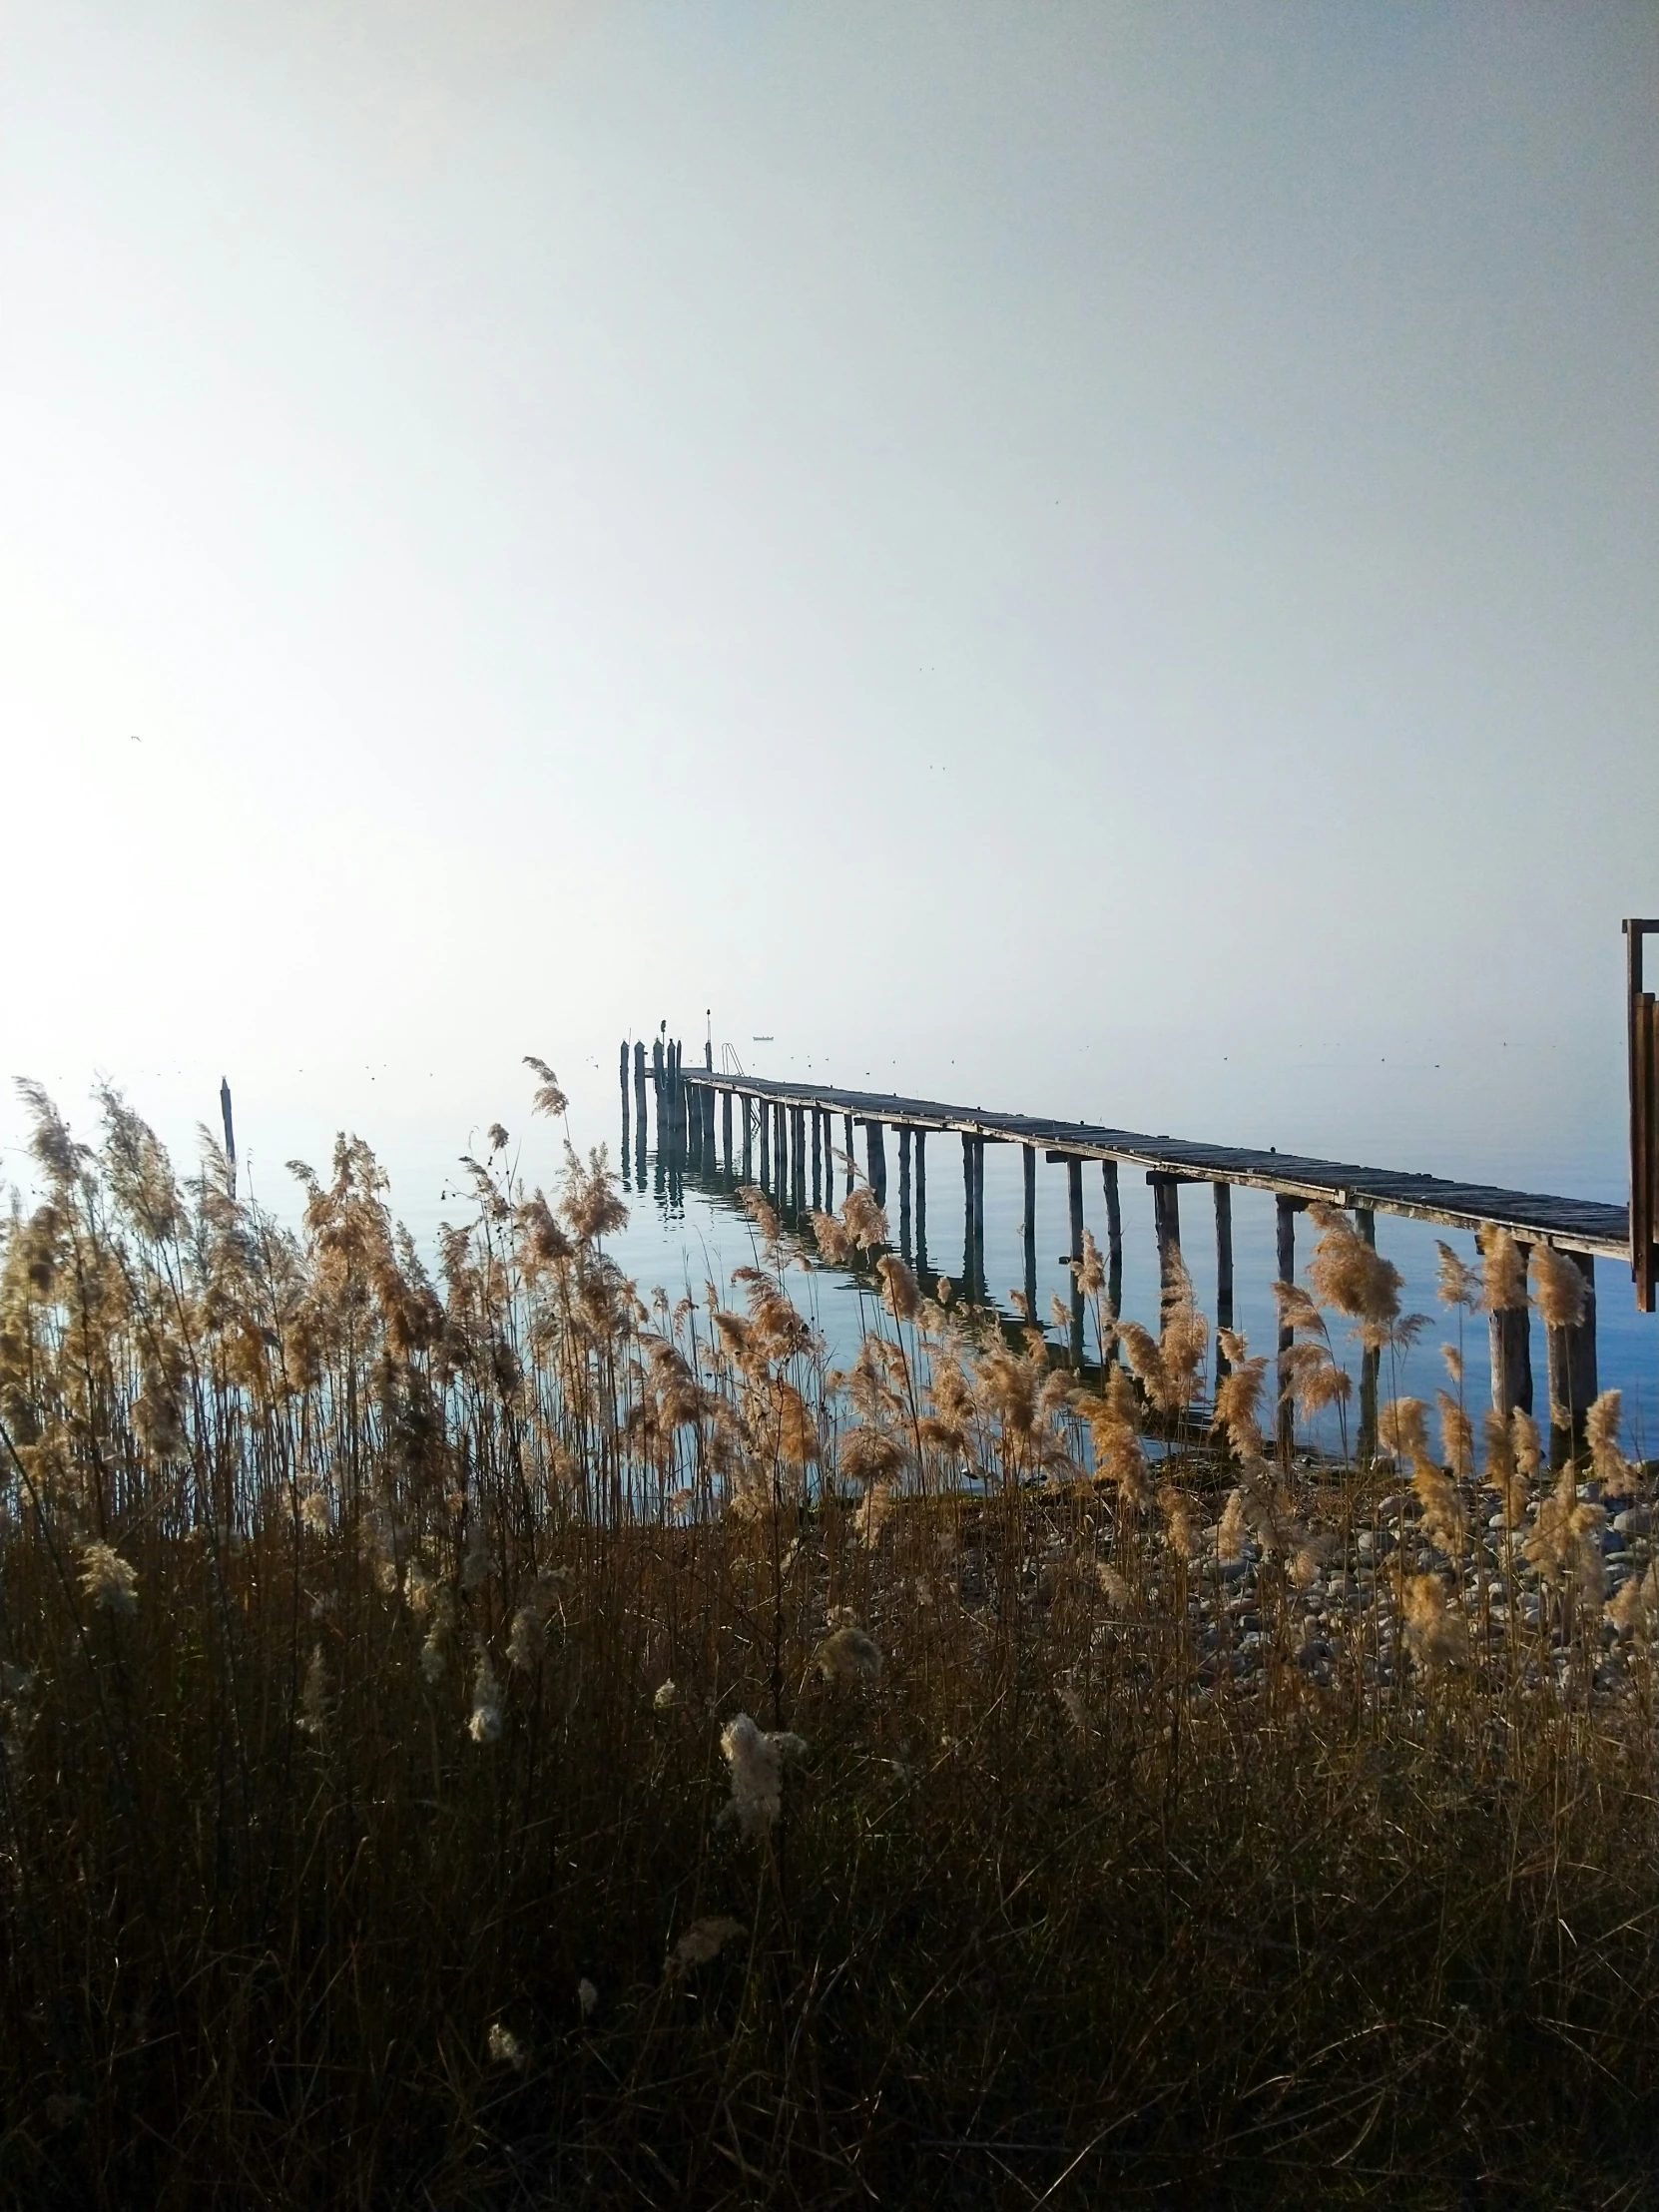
[[494, 1742]]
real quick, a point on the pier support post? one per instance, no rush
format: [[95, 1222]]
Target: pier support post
[[1287, 1210], [1166, 1216], [726, 1128], [747, 1136], [904, 1190], [1028, 1229], [1572, 1371], [624, 1080], [875, 1161], [1114, 1238], [1224, 1272], [921, 1200], [818, 1159], [764, 1116], [1370, 1362], [980, 1213], [1074, 1208], [1509, 1339], [849, 1154], [967, 1212]]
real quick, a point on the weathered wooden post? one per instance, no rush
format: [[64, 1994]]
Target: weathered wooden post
[[743, 1105], [625, 1104], [921, 1200], [638, 1087], [904, 1189], [230, 1134], [762, 1115], [1114, 1238], [1166, 1216], [1510, 1341], [726, 1128], [818, 1159], [849, 1154], [1572, 1370], [875, 1161], [1371, 1362], [1224, 1272], [1643, 1040], [1028, 1229], [1287, 1210], [1074, 1202], [980, 1213], [968, 1212], [797, 1149]]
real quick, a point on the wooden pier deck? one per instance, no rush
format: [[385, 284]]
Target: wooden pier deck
[[785, 1135], [1570, 1224]]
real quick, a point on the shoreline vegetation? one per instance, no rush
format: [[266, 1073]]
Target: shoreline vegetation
[[493, 1739]]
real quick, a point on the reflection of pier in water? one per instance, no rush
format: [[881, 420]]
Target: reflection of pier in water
[[797, 1141]]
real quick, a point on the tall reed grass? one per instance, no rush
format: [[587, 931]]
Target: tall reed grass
[[485, 1738]]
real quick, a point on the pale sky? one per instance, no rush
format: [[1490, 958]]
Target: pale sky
[[938, 531]]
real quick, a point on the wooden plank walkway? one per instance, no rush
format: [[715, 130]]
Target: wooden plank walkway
[[1570, 1224]]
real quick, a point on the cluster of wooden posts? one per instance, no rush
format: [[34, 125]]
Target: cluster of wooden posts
[[795, 1140]]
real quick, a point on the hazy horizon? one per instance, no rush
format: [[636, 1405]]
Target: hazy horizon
[[1106, 555]]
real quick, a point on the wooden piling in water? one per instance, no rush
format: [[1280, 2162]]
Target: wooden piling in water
[[818, 1159], [849, 1155], [921, 1200], [1224, 1272], [1074, 1203], [875, 1161], [904, 1189], [726, 1128], [1572, 1371], [764, 1117], [1287, 1210], [1166, 1219], [1509, 1343], [1028, 1227], [1370, 1362], [979, 1212], [1114, 1235], [230, 1134]]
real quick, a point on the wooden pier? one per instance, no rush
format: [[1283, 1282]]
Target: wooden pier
[[794, 1127]]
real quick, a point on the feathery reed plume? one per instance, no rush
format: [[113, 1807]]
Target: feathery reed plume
[[833, 1241], [314, 1698], [847, 1654], [900, 1291], [1633, 1606], [666, 1696], [1601, 1430], [1503, 1271], [1457, 1435], [1560, 1288], [1089, 1268], [1179, 1533], [1453, 1362], [1527, 1442], [1564, 1544], [865, 1222], [1238, 1396], [1313, 1378], [1456, 1284], [754, 1758], [1401, 1429], [1059, 1314], [548, 1098], [1348, 1275], [484, 1722], [704, 1940], [506, 2049], [1501, 1475], [762, 1213], [1233, 1529], [108, 1580], [1437, 1638], [587, 1999]]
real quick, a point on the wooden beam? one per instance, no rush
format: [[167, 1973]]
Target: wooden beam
[[1287, 1211], [1572, 1373], [1224, 1272]]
